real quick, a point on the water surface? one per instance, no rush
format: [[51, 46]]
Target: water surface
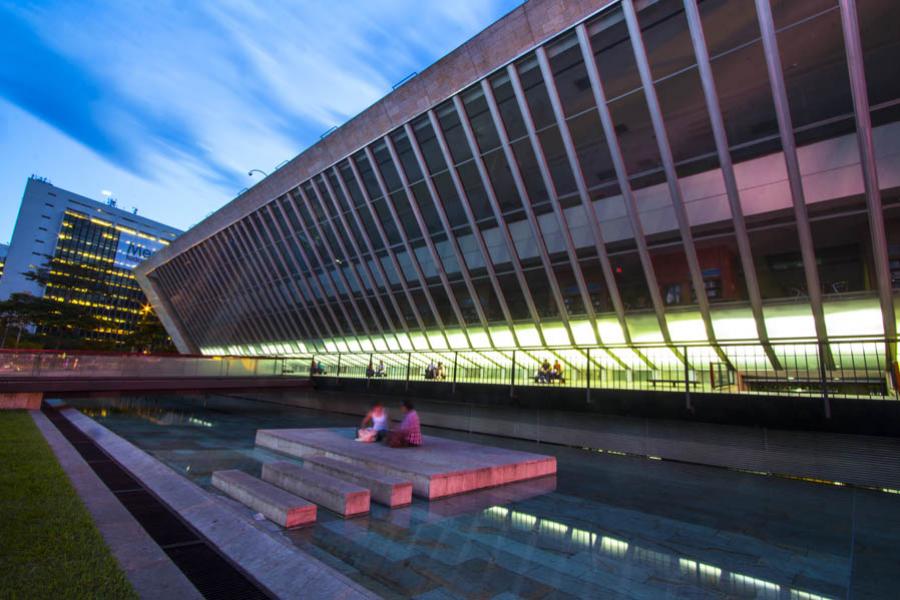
[[606, 526]]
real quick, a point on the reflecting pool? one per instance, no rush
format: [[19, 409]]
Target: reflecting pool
[[606, 526]]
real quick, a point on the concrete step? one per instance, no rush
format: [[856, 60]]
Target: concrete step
[[439, 468], [277, 505], [386, 489], [345, 498]]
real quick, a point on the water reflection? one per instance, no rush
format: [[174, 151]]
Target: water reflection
[[605, 526], [666, 565]]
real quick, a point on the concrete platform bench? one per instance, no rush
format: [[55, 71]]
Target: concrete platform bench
[[389, 490], [277, 505], [345, 498]]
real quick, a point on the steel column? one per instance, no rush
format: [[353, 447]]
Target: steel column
[[727, 167], [312, 272], [615, 153], [263, 328], [470, 215], [792, 163], [525, 199], [305, 276], [389, 203], [309, 324], [269, 263], [190, 328], [334, 262], [371, 249], [401, 277], [553, 196], [342, 305], [423, 228], [329, 192], [195, 284], [586, 203], [869, 166], [665, 153], [215, 247], [233, 307], [164, 279], [201, 315], [306, 320], [265, 281], [448, 230]]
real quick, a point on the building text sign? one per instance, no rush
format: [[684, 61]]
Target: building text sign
[[133, 250]]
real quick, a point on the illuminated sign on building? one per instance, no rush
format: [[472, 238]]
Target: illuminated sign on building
[[133, 250]]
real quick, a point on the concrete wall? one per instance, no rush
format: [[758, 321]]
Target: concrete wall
[[807, 413], [21, 400]]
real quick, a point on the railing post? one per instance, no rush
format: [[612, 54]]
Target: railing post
[[512, 377], [455, 361], [587, 377], [338, 374], [893, 381], [408, 368], [826, 402], [687, 380]]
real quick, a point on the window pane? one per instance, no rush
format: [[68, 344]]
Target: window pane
[[816, 76], [571, 76], [480, 119], [535, 93], [453, 133], [779, 266]]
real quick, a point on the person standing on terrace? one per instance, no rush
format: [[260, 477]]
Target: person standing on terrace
[[410, 431]]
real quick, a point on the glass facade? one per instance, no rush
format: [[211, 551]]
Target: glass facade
[[92, 267], [663, 172]]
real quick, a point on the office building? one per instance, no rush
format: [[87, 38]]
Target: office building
[[4, 250], [630, 176], [84, 252]]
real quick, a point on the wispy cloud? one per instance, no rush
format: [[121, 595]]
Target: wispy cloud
[[190, 95]]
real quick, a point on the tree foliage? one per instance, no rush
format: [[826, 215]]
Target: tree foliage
[[47, 322]]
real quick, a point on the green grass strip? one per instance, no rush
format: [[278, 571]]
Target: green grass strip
[[49, 546]]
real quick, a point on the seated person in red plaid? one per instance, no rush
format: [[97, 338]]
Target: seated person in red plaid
[[410, 431]]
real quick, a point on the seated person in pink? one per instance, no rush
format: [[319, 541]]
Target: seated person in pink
[[410, 431]]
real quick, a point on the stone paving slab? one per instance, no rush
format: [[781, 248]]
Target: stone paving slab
[[439, 468], [274, 562]]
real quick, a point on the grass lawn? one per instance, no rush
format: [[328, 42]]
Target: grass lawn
[[49, 546]]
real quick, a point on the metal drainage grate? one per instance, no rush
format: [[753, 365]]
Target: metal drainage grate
[[210, 572]]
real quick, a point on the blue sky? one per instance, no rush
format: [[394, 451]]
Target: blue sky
[[168, 104]]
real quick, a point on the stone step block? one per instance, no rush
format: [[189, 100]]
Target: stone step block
[[276, 504], [386, 489], [440, 467], [345, 498]]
